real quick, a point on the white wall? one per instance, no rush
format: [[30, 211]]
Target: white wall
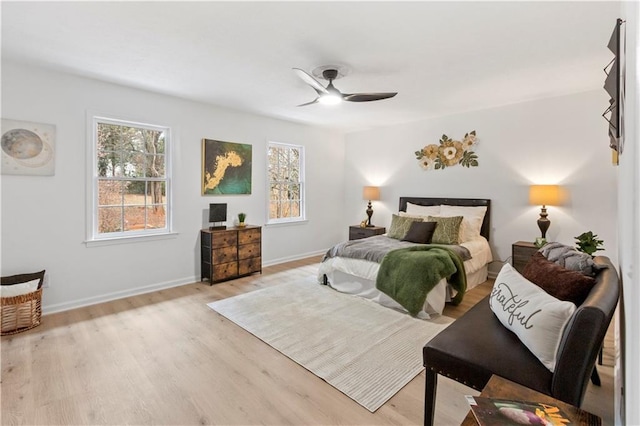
[[629, 216], [43, 218], [559, 140]]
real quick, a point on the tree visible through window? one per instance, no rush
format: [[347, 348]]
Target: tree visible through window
[[131, 183], [286, 182]]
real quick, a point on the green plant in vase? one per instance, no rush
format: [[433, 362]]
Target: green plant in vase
[[588, 243], [241, 218]]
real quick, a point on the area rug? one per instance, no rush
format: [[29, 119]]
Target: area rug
[[366, 351]]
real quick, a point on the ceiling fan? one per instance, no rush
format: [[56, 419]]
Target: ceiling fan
[[330, 95]]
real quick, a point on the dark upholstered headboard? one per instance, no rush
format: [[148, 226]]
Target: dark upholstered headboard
[[421, 201]]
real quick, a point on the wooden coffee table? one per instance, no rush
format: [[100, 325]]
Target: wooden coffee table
[[498, 387]]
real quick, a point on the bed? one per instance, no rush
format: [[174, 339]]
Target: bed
[[358, 276]]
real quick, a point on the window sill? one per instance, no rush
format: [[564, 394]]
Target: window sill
[[288, 223], [130, 239]]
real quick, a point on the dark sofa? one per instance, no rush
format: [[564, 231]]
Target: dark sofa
[[477, 345]]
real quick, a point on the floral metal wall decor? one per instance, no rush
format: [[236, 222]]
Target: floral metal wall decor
[[449, 153]]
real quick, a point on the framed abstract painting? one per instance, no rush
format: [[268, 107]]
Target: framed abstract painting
[[226, 168]]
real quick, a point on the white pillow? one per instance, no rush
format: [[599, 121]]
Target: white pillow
[[416, 216], [19, 289], [417, 210], [537, 318], [472, 217]]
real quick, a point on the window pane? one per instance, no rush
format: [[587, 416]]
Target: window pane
[[274, 210], [274, 194], [294, 192], [134, 192], [136, 139], [295, 208], [156, 193], [155, 166], [107, 161], [109, 219], [109, 192], [156, 217], [153, 141], [135, 165], [134, 218]]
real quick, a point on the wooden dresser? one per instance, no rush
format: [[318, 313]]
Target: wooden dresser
[[230, 253]]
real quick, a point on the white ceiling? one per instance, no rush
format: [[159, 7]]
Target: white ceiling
[[442, 57]]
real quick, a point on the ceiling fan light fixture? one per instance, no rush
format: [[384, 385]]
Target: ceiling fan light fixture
[[330, 95], [330, 99]]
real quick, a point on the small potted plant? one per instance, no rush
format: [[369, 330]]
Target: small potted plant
[[588, 243], [241, 218]]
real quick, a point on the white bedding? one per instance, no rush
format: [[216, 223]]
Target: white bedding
[[358, 277]]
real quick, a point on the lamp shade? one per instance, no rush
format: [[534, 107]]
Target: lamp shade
[[371, 193], [545, 195]]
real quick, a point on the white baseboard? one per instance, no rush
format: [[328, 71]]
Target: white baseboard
[[74, 304], [292, 258]]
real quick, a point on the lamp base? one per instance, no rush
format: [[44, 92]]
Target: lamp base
[[543, 222], [369, 214]]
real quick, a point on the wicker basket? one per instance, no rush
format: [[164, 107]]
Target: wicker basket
[[23, 312], [20, 313]]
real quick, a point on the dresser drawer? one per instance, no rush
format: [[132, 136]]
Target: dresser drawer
[[247, 236], [225, 271], [247, 251], [224, 239], [224, 254], [249, 266]]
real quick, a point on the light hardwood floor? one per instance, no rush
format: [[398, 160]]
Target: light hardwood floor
[[166, 358]]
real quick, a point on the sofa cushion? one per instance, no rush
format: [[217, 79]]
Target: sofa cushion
[[559, 282], [536, 317]]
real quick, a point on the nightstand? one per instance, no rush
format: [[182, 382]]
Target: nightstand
[[521, 252], [356, 232]]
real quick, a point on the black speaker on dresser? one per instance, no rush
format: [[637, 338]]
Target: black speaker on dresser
[[218, 215]]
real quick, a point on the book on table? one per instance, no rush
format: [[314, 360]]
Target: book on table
[[505, 412]]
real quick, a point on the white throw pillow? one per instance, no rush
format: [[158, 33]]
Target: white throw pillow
[[417, 210], [537, 318], [472, 217], [416, 216], [19, 289]]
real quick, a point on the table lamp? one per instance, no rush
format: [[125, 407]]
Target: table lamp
[[544, 195], [371, 193]]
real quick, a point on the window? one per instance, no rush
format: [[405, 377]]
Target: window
[[286, 182], [131, 186]]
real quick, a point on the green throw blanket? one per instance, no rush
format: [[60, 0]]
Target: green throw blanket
[[407, 275]]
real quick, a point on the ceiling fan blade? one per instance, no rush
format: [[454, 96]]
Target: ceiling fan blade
[[310, 81], [309, 103], [367, 97]]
